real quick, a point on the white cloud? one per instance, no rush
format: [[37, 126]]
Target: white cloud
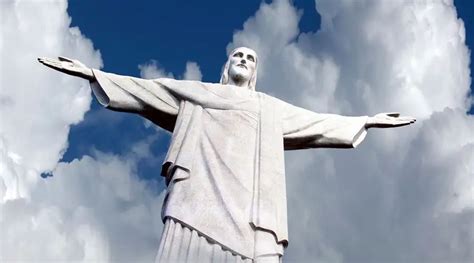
[[404, 194], [38, 105], [153, 70], [192, 71], [92, 209]]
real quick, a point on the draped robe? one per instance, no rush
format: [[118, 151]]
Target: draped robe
[[225, 165]]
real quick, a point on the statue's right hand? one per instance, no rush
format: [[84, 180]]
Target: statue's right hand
[[69, 66]]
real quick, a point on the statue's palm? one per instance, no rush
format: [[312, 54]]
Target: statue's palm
[[69, 66], [389, 120]]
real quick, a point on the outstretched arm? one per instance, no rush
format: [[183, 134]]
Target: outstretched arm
[[304, 129], [148, 98]]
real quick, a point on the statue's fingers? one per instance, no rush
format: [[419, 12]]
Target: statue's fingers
[[404, 122], [52, 63], [393, 114], [43, 60], [48, 60], [397, 124], [406, 118], [62, 58], [412, 120], [53, 66]]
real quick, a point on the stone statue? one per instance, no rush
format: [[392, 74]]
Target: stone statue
[[226, 196]]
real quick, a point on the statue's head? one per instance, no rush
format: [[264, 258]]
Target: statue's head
[[241, 67]]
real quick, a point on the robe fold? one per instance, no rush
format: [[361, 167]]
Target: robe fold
[[225, 164]]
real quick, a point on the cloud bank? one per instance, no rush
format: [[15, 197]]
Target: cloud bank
[[94, 208], [404, 194], [33, 100]]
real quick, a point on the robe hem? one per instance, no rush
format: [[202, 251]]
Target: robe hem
[[207, 237]]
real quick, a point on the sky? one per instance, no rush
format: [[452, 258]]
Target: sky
[[81, 183]]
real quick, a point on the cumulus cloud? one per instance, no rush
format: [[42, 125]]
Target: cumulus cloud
[[92, 209], [192, 72], [153, 70], [33, 100], [404, 194]]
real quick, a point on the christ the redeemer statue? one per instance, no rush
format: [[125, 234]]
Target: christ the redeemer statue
[[226, 196]]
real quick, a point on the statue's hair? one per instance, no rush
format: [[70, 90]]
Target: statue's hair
[[225, 72]]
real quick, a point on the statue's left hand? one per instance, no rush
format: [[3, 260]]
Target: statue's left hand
[[389, 120], [69, 66]]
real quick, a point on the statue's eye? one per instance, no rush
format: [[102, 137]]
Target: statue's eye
[[238, 54], [251, 58]]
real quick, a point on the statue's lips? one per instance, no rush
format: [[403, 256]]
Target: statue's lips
[[242, 66]]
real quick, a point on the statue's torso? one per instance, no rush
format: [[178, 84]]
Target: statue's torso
[[215, 194]]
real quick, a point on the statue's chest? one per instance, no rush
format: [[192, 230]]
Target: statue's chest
[[232, 134]]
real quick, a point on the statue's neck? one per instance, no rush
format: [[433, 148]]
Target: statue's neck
[[239, 82]]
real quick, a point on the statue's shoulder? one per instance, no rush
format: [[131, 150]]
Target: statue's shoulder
[[189, 84], [270, 98]]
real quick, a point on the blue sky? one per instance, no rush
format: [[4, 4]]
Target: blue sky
[[404, 195]]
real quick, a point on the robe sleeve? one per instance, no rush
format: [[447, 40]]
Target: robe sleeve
[[146, 97], [304, 129]]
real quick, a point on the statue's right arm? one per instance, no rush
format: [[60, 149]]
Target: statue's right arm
[[122, 93], [148, 98]]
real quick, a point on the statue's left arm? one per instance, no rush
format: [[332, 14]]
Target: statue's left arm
[[304, 129]]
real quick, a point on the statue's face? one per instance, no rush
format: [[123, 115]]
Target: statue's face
[[242, 64]]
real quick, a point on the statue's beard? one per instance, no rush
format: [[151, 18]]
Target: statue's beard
[[239, 78]]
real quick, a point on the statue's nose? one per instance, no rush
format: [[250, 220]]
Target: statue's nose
[[243, 61]]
